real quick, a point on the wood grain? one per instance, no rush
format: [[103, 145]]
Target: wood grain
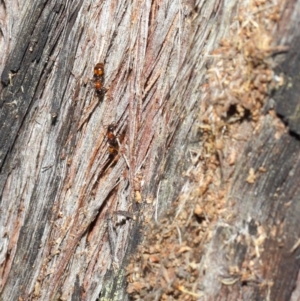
[[58, 182]]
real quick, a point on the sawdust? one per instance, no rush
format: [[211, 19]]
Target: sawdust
[[240, 76]]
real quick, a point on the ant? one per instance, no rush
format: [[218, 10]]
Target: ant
[[98, 78], [112, 140]]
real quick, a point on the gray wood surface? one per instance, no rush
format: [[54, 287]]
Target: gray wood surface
[[60, 187]]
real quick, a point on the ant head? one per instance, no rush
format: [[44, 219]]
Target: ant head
[[111, 127]]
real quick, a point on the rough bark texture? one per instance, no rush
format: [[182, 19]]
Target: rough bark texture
[[60, 187]]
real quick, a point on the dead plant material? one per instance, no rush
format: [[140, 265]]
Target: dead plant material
[[238, 83]]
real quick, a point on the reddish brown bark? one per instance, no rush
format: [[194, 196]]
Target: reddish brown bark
[[59, 183]]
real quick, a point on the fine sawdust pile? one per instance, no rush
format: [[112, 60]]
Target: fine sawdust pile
[[169, 264]]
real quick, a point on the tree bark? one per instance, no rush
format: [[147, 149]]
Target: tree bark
[[61, 238]]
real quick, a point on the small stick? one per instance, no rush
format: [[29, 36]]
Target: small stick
[[126, 214], [111, 235]]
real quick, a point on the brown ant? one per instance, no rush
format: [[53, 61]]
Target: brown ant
[[98, 78], [112, 140]]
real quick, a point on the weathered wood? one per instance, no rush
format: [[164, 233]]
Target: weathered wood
[[233, 233], [55, 162], [287, 103], [58, 182]]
